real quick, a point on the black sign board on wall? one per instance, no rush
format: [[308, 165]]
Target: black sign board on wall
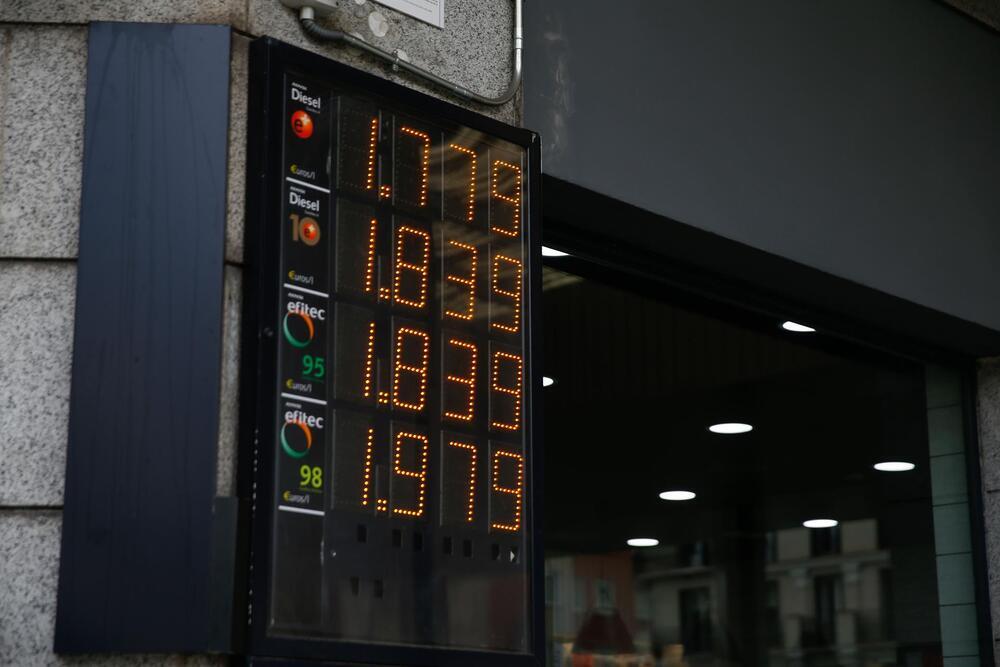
[[392, 271]]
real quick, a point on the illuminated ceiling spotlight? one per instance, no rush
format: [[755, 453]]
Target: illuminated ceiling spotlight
[[894, 466], [730, 428], [552, 252], [547, 381], [795, 327], [643, 542], [820, 523], [678, 495]]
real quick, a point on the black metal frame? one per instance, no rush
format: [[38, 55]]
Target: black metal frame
[[708, 273], [269, 59]]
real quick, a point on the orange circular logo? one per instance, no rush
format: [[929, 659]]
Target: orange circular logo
[[302, 124], [310, 231]]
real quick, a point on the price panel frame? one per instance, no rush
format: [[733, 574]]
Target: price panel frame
[[395, 387]]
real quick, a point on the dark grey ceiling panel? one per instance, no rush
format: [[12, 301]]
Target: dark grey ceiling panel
[[859, 137]]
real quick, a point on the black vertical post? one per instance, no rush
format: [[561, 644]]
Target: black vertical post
[[137, 539]]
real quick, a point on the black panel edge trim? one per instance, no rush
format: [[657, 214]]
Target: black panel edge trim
[[619, 235]]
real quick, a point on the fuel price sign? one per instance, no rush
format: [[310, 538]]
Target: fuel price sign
[[394, 255]]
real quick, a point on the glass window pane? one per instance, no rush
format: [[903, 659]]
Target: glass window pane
[[834, 531]]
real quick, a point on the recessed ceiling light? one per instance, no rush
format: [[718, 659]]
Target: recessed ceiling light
[[547, 381], [820, 523], [552, 252], [643, 542], [730, 428], [796, 327], [894, 466], [678, 495]]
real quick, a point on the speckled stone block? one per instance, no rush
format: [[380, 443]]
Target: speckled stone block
[[237, 160], [229, 391], [42, 90], [119, 660], [987, 11], [473, 50], [991, 503], [232, 12], [36, 343], [988, 409], [29, 569], [29, 574]]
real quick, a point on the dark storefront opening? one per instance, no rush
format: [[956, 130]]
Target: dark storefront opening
[[794, 549]]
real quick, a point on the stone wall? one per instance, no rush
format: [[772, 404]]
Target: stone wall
[[43, 52], [987, 11], [988, 409]]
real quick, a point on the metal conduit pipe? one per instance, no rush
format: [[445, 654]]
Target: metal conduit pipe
[[313, 29]]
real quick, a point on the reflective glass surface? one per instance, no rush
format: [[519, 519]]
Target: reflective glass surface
[[777, 542], [402, 457]]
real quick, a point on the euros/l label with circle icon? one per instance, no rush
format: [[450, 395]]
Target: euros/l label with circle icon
[[303, 334]]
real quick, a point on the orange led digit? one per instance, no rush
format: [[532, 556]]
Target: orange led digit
[[366, 484], [420, 371], [517, 491], [498, 357], [370, 263], [469, 282], [513, 294], [513, 199], [420, 269], [471, 215], [369, 380], [420, 475], [469, 381], [470, 513], [372, 153], [425, 159]]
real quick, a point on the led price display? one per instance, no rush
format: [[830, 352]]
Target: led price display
[[402, 454]]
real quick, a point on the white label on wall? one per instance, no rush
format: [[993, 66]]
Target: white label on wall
[[431, 11]]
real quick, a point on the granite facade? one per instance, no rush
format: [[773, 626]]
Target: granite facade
[[986, 11], [231, 12], [36, 327], [473, 50], [42, 81], [43, 59], [230, 386], [236, 169], [988, 417], [29, 571]]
